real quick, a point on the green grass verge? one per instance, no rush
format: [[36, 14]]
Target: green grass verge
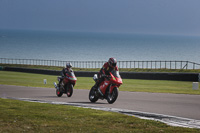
[[20, 116], [157, 86]]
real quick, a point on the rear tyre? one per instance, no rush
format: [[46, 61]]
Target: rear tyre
[[93, 95], [59, 93], [70, 90], [113, 96]]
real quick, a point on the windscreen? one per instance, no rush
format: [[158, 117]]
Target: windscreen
[[115, 73], [70, 74]]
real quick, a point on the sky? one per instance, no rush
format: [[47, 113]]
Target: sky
[[118, 16]]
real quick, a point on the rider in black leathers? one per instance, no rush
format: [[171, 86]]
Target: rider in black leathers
[[65, 70]]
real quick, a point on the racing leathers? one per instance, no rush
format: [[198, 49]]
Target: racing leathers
[[63, 74], [105, 70]]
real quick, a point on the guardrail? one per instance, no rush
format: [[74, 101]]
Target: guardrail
[[98, 64]]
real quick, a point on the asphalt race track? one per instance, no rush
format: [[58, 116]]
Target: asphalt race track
[[179, 105]]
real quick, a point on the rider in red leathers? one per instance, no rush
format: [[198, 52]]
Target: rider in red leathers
[[107, 67]]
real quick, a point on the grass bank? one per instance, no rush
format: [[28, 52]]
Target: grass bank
[[19, 116], [155, 86]]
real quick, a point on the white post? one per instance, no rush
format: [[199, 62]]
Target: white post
[[45, 81], [195, 85]]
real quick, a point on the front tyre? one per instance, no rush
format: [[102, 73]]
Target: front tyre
[[93, 95], [113, 96], [70, 90], [59, 93]]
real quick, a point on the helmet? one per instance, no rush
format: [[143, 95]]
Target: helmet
[[68, 65], [112, 62]]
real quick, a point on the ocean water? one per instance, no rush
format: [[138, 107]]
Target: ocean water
[[74, 46]]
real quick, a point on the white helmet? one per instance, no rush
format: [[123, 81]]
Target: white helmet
[[68, 65]]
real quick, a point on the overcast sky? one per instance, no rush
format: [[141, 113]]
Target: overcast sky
[[129, 16]]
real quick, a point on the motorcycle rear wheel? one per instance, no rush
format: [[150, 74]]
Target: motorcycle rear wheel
[[113, 96], [69, 91], [93, 95]]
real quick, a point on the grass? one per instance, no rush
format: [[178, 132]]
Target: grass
[[20, 116], [156, 86]]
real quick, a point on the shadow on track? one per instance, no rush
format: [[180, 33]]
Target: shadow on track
[[88, 102], [49, 97]]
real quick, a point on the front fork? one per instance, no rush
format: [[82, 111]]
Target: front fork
[[111, 88]]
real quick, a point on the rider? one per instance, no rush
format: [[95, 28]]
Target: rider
[[106, 69], [65, 70]]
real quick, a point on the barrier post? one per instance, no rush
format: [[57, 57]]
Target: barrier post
[[195, 85], [45, 81]]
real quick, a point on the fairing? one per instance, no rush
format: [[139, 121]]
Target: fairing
[[115, 80], [70, 77]]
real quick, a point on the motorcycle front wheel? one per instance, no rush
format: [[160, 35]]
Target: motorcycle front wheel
[[113, 96], [93, 95], [69, 91], [59, 93]]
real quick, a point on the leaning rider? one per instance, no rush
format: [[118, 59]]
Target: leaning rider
[[65, 70], [106, 69]]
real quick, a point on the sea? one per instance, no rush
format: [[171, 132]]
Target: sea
[[88, 46]]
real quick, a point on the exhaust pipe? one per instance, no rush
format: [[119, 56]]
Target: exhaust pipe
[[55, 85]]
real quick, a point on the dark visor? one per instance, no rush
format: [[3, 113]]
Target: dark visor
[[114, 64]]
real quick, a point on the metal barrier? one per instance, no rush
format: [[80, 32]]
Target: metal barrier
[[98, 64]]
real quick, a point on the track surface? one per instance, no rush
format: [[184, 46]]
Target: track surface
[[180, 105]]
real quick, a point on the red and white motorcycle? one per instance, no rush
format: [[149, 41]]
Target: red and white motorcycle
[[108, 89], [66, 85]]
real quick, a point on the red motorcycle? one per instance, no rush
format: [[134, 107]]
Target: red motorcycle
[[66, 85], [108, 89]]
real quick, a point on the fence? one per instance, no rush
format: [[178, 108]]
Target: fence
[[98, 64], [125, 75]]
